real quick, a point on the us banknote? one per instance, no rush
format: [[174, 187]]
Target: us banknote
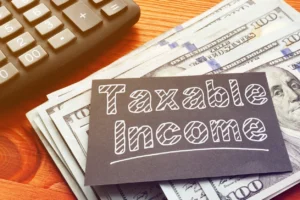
[[73, 134], [38, 126], [67, 156], [168, 41], [253, 24], [258, 49], [283, 74]]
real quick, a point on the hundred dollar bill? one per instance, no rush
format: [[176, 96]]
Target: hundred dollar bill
[[166, 41], [37, 125], [250, 25], [66, 154], [283, 74], [258, 49], [32, 116], [75, 131], [37, 120]]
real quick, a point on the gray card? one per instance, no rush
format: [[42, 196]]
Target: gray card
[[156, 129]]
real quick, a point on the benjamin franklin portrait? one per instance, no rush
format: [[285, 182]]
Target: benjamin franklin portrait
[[285, 92]]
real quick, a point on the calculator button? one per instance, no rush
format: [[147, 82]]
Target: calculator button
[[20, 42], [20, 4], [10, 28], [114, 7], [33, 56], [48, 26], [59, 3], [61, 39], [7, 72], [82, 16], [2, 56], [36, 13], [4, 14]]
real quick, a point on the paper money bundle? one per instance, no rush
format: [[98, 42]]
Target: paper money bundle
[[234, 36]]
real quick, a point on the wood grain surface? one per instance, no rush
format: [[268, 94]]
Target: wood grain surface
[[26, 170]]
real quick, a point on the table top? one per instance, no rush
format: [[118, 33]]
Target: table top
[[26, 169]]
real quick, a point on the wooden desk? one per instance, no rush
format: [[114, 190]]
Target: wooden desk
[[26, 170]]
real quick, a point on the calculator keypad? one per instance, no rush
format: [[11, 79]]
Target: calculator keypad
[[20, 42], [7, 72], [82, 16], [37, 35], [36, 13], [79, 13], [33, 56]]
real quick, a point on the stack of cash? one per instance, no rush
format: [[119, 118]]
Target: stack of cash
[[234, 36]]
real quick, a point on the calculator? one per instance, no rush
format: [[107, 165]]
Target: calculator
[[41, 37]]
